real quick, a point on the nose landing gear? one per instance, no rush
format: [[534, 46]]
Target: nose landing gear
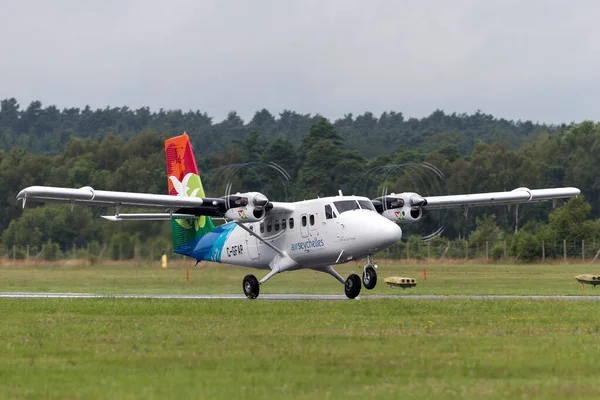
[[251, 286], [369, 276]]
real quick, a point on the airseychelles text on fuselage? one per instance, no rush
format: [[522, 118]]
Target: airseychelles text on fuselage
[[307, 245]]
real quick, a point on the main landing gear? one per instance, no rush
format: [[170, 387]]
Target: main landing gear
[[369, 276], [352, 284]]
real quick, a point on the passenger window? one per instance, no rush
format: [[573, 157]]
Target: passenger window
[[291, 223], [304, 220], [269, 227], [276, 225], [283, 221], [328, 212], [262, 227], [312, 219]]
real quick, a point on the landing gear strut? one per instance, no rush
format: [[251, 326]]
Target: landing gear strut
[[369, 276], [251, 286], [351, 285]]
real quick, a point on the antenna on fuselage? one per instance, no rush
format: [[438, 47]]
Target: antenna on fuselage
[[340, 192]]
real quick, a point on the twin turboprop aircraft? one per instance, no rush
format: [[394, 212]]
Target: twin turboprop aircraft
[[312, 234]]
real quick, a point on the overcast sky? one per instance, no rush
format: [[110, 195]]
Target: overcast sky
[[531, 60]]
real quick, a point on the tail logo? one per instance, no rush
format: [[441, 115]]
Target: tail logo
[[182, 187], [189, 182]]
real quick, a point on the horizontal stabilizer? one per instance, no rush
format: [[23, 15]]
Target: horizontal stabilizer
[[147, 217]]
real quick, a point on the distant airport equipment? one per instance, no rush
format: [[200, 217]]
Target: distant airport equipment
[[398, 281], [314, 234], [587, 279]]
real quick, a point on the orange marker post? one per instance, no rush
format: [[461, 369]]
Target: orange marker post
[[424, 274], [187, 275]]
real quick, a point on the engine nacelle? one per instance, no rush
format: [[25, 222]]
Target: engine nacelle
[[402, 208], [247, 207]]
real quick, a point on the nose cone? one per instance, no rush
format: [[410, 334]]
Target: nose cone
[[388, 233], [374, 232]]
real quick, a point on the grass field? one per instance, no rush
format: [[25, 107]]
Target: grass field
[[391, 348]]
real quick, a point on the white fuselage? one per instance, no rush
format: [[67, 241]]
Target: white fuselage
[[312, 234]]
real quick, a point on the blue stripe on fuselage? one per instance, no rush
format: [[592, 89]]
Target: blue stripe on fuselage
[[209, 246]]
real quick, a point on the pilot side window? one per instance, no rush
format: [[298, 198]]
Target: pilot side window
[[304, 220], [269, 226], [283, 221], [291, 223], [276, 225], [312, 219], [329, 213]]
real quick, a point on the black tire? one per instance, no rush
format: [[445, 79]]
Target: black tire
[[352, 286], [251, 286], [369, 278]]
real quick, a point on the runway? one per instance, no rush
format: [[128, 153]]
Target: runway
[[39, 295]]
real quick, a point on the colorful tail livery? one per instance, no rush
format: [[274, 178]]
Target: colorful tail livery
[[184, 180]]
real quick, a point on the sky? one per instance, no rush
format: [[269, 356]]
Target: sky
[[533, 60]]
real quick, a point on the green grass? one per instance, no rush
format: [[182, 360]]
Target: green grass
[[444, 279], [391, 348]]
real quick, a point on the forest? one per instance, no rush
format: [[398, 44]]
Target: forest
[[294, 156]]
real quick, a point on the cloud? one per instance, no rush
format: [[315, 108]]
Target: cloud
[[516, 59]]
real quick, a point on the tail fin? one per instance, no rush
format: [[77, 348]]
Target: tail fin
[[184, 180]]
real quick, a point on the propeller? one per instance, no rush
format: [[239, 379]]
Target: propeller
[[232, 180], [424, 179]]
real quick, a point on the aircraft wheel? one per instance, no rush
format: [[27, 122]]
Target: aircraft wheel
[[251, 286], [352, 286], [369, 277]]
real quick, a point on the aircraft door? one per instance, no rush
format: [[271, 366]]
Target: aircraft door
[[304, 225], [252, 244]]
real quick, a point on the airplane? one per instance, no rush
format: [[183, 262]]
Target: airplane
[[314, 234]]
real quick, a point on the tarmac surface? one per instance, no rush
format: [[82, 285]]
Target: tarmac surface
[[39, 295]]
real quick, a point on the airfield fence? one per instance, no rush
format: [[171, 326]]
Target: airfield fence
[[411, 250], [504, 250]]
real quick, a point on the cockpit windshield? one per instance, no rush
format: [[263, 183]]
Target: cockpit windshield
[[366, 205], [346, 205], [349, 205]]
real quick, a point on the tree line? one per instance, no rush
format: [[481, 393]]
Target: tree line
[[47, 130]]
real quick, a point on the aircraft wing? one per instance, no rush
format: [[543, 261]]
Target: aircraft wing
[[88, 196], [176, 206], [520, 195]]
